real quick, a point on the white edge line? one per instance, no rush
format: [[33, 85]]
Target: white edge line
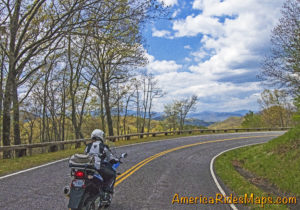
[[30, 169], [213, 173], [47, 164]]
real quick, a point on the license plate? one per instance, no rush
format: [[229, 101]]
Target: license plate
[[78, 182]]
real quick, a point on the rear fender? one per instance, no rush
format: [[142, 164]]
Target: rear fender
[[76, 196]]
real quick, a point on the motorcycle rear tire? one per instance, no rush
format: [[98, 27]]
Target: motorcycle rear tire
[[90, 205]]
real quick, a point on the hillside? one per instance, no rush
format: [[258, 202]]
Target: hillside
[[197, 122], [205, 116], [273, 167], [210, 116], [231, 122]]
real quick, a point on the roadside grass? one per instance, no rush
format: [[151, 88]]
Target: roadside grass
[[277, 161], [8, 166]]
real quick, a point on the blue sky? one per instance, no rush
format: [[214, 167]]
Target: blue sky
[[212, 49]]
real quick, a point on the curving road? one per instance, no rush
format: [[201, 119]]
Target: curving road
[[152, 184]]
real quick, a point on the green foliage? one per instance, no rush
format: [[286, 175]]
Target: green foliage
[[252, 120], [281, 66], [277, 109], [296, 116], [276, 161]]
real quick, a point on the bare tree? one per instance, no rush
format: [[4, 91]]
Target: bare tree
[[184, 106], [171, 116], [154, 92], [150, 91]]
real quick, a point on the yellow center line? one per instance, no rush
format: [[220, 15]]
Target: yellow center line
[[133, 167], [136, 167]]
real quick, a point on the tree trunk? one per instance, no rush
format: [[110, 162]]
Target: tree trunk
[[63, 113], [102, 115], [6, 113], [105, 91], [1, 94], [44, 106], [149, 115], [16, 113], [118, 118], [30, 136], [137, 109], [125, 115], [13, 27]]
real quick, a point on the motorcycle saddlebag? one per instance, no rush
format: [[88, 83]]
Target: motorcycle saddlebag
[[78, 160]]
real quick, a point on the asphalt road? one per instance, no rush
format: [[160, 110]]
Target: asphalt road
[[153, 186]]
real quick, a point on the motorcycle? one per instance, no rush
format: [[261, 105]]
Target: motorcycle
[[84, 192]]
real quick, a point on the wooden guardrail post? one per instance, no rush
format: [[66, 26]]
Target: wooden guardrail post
[[53, 148], [20, 152]]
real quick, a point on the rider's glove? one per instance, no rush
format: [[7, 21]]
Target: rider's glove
[[102, 156], [114, 161]]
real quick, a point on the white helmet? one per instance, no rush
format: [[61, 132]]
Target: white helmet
[[98, 134]]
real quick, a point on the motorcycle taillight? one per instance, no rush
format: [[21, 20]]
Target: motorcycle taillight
[[79, 174]]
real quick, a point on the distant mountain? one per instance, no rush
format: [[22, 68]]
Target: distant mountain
[[204, 118], [231, 122], [197, 122], [210, 116]]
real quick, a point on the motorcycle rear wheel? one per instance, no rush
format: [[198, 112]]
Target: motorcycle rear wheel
[[90, 205]]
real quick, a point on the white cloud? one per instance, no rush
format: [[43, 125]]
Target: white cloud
[[168, 2], [161, 33], [213, 95], [252, 13], [193, 25], [161, 66], [231, 48], [188, 47], [175, 13], [187, 59]]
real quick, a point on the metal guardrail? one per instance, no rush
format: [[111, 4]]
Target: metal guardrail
[[55, 144]]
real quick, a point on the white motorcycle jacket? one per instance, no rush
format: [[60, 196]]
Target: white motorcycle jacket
[[101, 153]]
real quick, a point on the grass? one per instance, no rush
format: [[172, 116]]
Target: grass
[[277, 161], [8, 166]]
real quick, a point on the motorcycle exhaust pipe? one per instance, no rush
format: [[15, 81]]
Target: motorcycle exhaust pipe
[[67, 190]]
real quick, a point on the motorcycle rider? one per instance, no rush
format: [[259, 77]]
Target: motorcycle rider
[[104, 159]]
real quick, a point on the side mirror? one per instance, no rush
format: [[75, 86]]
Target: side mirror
[[124, 155]]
